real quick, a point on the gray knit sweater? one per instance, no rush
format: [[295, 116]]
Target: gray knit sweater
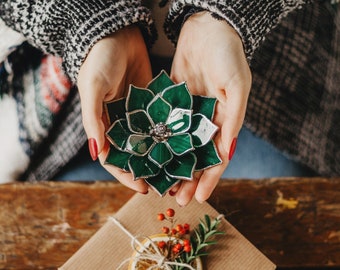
[[292, 47]]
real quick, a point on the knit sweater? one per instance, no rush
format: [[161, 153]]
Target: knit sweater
[[292, 47]]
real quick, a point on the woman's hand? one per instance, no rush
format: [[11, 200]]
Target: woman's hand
[[210, 58], [111, 65]]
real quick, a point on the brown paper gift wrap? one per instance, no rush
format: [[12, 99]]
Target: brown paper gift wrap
[[110, 246]]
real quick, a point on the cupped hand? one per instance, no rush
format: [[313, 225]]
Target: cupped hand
[[210, 58], [111, 65]]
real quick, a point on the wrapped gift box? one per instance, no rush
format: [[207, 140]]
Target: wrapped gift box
[[110, 245]]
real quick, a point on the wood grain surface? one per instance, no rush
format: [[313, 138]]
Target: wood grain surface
[[294, 222]]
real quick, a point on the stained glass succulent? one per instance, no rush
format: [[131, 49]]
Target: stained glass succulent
[[162, 133]]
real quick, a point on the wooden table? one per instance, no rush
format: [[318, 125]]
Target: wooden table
[[294, 222]]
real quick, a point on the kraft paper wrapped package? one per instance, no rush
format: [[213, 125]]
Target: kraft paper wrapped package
[[110, 245]]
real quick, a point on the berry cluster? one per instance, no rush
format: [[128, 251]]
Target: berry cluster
[[176, 243]]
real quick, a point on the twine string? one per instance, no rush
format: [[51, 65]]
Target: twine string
[[146, 254]]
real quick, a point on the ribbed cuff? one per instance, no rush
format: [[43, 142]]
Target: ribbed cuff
[[252, 20], [96, 20]]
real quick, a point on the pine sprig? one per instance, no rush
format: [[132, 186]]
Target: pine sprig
[[201, 238]]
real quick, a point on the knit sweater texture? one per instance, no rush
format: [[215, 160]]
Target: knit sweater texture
[[292, 48]]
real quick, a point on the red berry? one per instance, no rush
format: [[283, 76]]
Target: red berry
[[178, 246], [170, 212], [183, 232], [187, 248], [186, 242], [179, 227], [186, 226], [161, 244], [160, 216], [175, 250], [165, 230], [173, 231]]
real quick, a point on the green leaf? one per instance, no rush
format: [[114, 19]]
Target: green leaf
[[138, 98], [201, 228], [205, 229], [160, 82], [207, 221], [211, 233], [202, 254]]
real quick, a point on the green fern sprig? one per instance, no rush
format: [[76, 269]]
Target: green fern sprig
[[201, 238]]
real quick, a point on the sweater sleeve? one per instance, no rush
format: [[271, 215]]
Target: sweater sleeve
[[252, 19], [70, 28]]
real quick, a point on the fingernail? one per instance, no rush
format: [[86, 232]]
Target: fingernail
[[93, 148], [232, 148], [172, 193]]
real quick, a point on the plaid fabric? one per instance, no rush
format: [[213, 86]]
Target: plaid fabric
[[295, 98], [294, 102], [64, 142], [47, 110]]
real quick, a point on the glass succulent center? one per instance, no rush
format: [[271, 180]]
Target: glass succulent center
[[162, 133]]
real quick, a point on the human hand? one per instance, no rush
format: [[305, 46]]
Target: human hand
[[210, 58], [111, 65]]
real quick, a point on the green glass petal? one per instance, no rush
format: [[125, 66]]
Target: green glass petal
[[208, 156], [118, 158], [160, 82], [142, 167], [182, 167], [115, 110], [162, 183], [160, 154], [202, 130], [138, 98], [159, 110], [178, 96], [139, 144], [118, 133], [179, 120], [139, 122], [180, 144], [204, 105]]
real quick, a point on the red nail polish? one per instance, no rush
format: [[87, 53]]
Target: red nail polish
[[93, 148], [232, 148], [172, 193]]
